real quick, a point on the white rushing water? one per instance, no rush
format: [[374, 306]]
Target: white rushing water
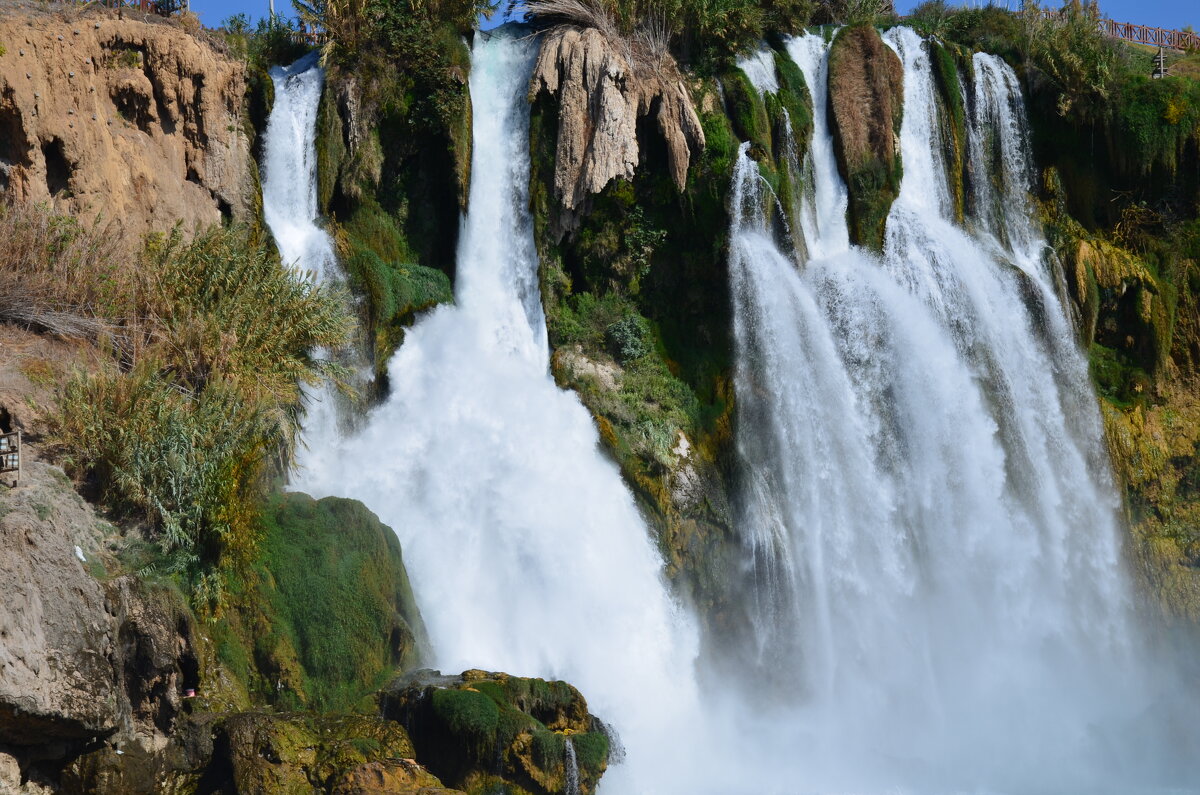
[[289, 178], [929, 526], [927, 509], [526, 551]]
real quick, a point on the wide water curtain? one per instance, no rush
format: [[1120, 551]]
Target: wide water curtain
[[929, 549], [928, 521]]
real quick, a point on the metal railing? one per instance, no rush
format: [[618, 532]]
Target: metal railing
[[1140, 34]]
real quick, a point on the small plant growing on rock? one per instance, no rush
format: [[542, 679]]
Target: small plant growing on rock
[[627, 338]]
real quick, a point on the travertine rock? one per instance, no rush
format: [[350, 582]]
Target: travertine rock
[[138, 121], [602, 92]]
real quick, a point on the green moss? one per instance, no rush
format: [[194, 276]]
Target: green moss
[[746, 110], [325, 613], [796, 98], [591, 750], [468, 714], [330, 149], [954, 134]]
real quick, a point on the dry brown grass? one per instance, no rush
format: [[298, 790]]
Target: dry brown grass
[[65, 277], [866, 82]]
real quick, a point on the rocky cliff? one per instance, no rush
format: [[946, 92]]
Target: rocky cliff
[[133, 120], [82, 659]]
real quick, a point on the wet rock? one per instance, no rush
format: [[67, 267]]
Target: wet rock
[[866, 95]]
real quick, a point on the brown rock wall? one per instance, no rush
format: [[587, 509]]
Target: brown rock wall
[[128, 119]]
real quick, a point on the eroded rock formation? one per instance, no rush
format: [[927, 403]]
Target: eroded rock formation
[[82, 660], [136, 121], [602, 91]]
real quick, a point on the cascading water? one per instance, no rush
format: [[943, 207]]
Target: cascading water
[[526, 551], [929, 523], [289, 193], [289, 180]]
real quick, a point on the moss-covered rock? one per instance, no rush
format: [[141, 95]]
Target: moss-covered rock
[[325, 613], [481, 730], [866, 95], [948, 61]]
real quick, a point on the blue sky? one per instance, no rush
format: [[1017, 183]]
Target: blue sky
[[1160, 13]]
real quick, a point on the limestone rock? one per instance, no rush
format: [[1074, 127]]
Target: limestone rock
[[866, 95], [136, 121], [268, 753], [57, 639], [81, 660], [602, 91]]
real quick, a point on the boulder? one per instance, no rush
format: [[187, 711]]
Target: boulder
[[480, 730]]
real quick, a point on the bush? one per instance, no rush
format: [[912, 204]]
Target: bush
[[627, 338], [182, 427], [63, 276]]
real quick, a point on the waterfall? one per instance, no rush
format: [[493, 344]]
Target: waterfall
[[930, 544], [570, 768], [526, 551], [289, 202], [289, 194], [929, 524]]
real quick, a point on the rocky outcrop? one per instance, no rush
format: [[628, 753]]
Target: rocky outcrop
[[81, 659], [866, 96], [136, 121], [479, 731], [602, 91], [57, 640]]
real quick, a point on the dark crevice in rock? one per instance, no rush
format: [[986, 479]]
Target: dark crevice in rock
[[58, 167]]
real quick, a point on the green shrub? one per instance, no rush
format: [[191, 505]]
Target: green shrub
[[627, 338], [208, 393]]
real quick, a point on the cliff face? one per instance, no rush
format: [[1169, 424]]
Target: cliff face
[[82, 659], [136, 121]]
